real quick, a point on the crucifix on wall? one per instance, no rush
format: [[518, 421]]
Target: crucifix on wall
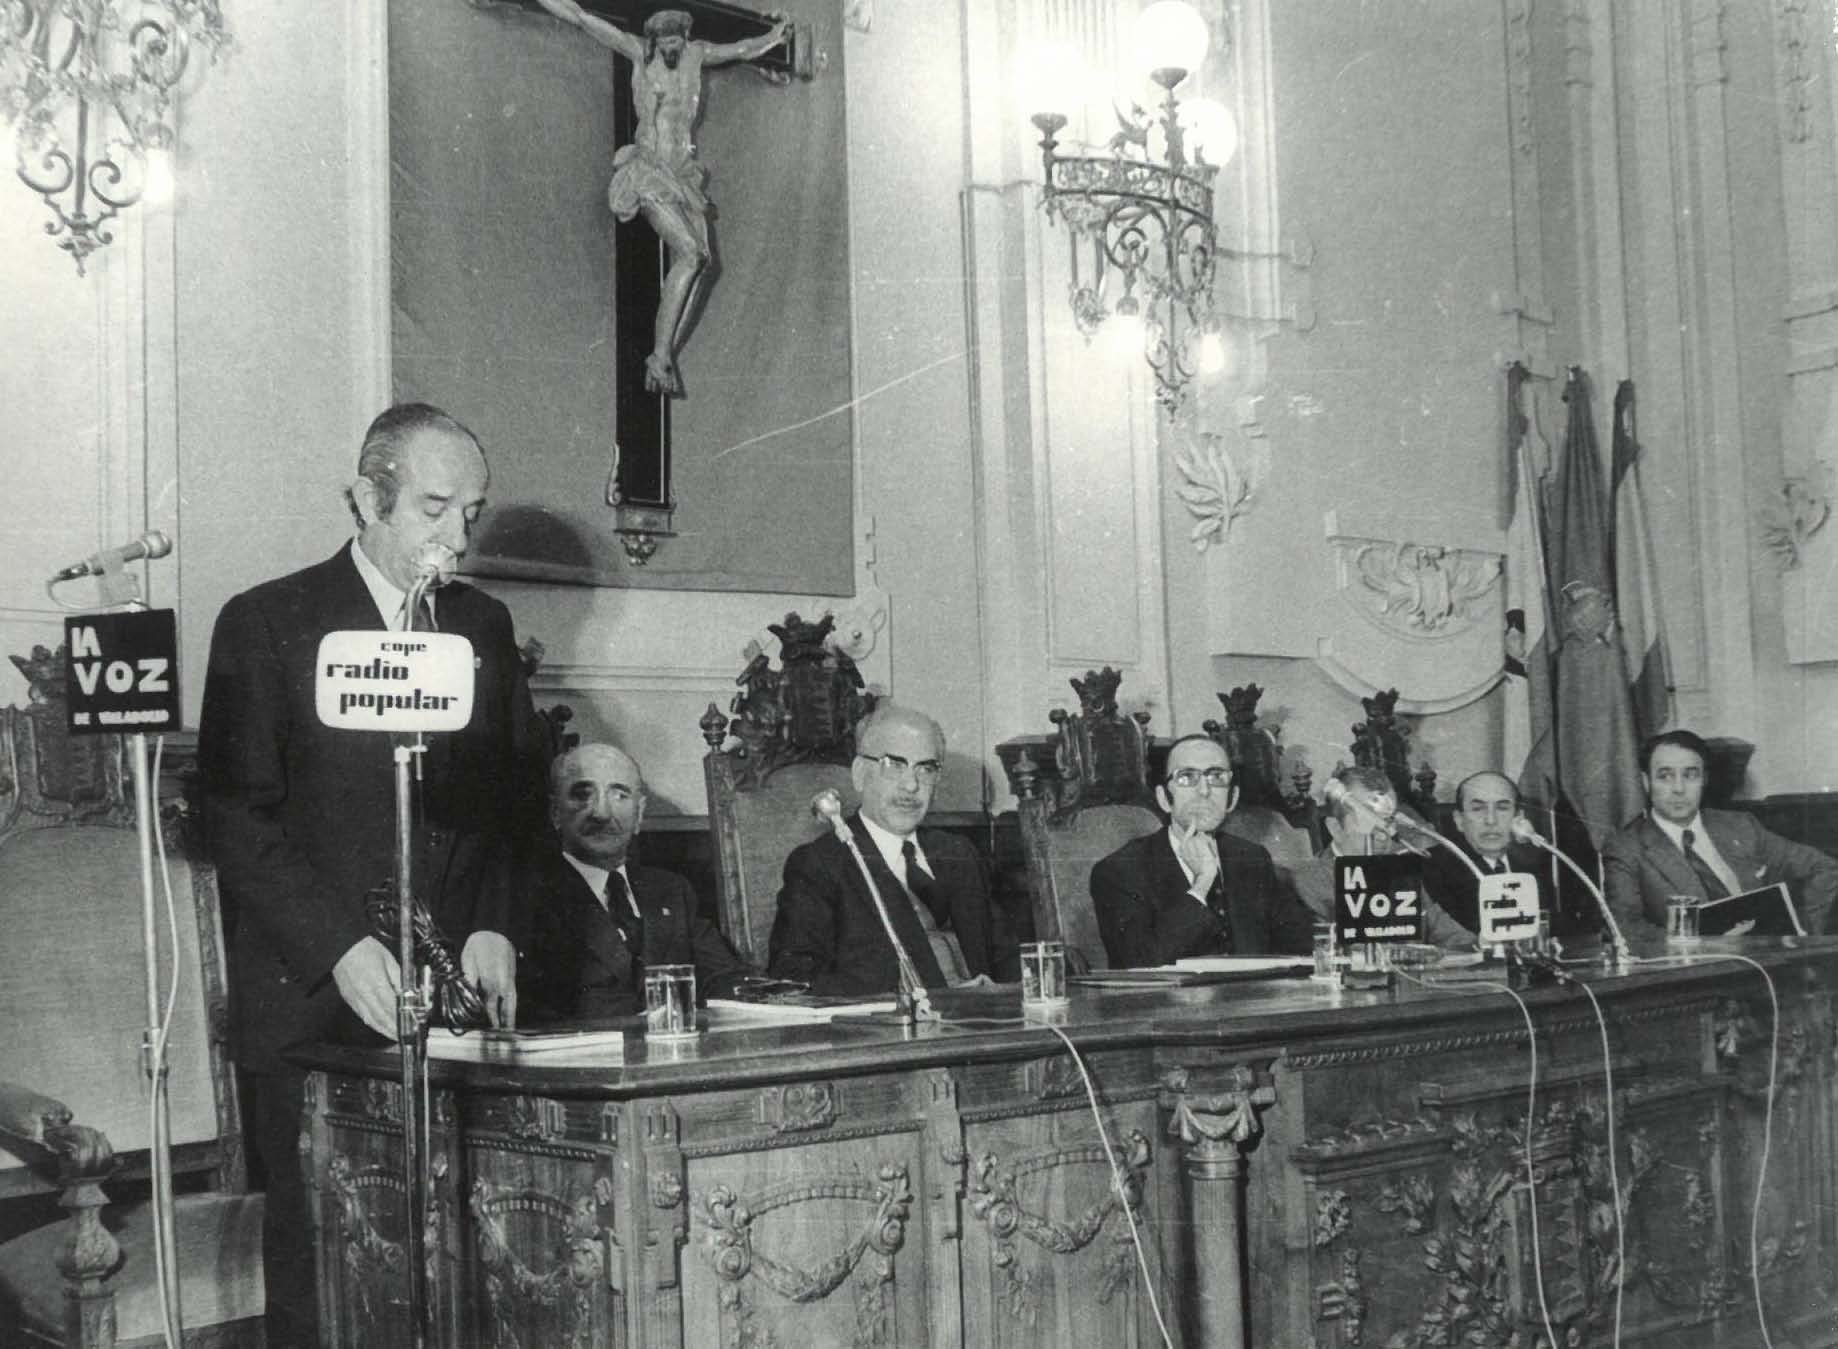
[[658, 180]]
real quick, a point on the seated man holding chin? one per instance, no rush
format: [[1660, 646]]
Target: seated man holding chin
[[828, 933], [1191, 889]]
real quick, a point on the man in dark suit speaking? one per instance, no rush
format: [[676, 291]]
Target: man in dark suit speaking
[[596, 918], [302, 817], [1677, 849], [827, 932], [1192, 889]]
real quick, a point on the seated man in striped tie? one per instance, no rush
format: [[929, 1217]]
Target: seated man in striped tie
[[828, 933], [1676, 848], [596, 918]]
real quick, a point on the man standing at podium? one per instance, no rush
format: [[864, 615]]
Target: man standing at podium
[[302, 817]]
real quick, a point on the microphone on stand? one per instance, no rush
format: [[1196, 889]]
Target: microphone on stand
[[150, 545], [435, 565], [826, 805], [1619, 954], [1425, 832]]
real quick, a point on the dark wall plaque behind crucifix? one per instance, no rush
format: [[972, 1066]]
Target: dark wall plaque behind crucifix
[[525, 308]]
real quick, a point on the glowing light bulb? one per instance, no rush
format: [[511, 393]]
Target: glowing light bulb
[[1125, 332], [1170, 35], [1051, 78], [1209, 130], [158, 187], [1213, 357]]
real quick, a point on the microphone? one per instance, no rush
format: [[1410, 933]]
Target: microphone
[[150, 545], [826, 805], [435, 564], [1617, 943], [1425, 832]]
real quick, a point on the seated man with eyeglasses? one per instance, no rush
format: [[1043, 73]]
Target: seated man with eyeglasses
[[936, 889], [1191, 889]]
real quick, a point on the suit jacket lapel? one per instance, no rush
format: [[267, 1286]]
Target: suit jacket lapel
[[899, 905], [1669, 860], [598, 931]]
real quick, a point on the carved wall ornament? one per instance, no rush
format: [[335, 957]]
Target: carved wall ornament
[[1332, 1215], [535, 1117], [995, 1200], [515, 1293], [1413, 1199], [1423, 589], [1799, 58], [798, 1106], [1519, 65], [1215, 489], [1797, 512], [729, 1219], [374, 1265], [1344, 1300]]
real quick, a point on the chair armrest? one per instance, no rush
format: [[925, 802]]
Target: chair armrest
[[46, 1125]]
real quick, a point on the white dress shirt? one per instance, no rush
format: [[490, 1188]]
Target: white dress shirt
[[392, 604], [1703, 846], [596, 881]]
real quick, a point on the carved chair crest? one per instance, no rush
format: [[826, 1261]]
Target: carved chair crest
[[805, 711], [1382, 741]]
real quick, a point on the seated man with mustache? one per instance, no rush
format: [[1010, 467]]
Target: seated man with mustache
[[596, 919]]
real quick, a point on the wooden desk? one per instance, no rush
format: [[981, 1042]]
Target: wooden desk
[[1308, 1167]]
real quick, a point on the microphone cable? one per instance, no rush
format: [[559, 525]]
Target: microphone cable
[[1118, 1184], [158, 1130], [1531, 1105], [1614, 1174]]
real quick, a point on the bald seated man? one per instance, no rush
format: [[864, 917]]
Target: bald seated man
[[1486, 804], [827, 932], [597, 918], [1362, 818], [1192, 889]]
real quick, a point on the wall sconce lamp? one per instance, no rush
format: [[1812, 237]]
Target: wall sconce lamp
[[86, 87], [1146, 217]]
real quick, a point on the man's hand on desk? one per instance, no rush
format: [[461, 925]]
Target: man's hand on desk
[[368, 981], [490, 961]]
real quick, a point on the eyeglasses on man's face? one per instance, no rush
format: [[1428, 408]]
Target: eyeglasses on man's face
[[1216, 778], [895, 767]]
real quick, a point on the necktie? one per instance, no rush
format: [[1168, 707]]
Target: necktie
[[631, 926], [1714, 888], [422, 620], [926, 905], [1215, 900]]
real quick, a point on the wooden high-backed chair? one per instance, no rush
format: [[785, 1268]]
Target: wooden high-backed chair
[[73, 1097], [1084, 791], [792, 736], [1278, 815]]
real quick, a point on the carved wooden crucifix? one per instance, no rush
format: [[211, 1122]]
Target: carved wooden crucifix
[[661, 238]]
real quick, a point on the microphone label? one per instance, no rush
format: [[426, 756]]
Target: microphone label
[[1378, 899], [121, 672], [1509, 908], [394, 681]]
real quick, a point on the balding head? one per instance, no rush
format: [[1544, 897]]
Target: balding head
[[596, 802], [899, 754], [1485, 806]]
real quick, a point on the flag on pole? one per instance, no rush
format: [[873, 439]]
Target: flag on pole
[[1643, 636], [1529, 750], [1597, 750]]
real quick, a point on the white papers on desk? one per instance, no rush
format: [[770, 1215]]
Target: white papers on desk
[[499, 1046], [728, 1014], [1240, 964]]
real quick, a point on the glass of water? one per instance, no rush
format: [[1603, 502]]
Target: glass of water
[[670, 1001], [1043, 974]]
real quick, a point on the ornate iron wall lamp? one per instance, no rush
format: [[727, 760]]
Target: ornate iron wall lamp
[[1149, 219], [87, 88]]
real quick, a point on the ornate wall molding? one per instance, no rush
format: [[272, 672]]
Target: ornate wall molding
[[1421, 617]]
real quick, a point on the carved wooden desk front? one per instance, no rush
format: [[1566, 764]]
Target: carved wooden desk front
[[1306, 1167]]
